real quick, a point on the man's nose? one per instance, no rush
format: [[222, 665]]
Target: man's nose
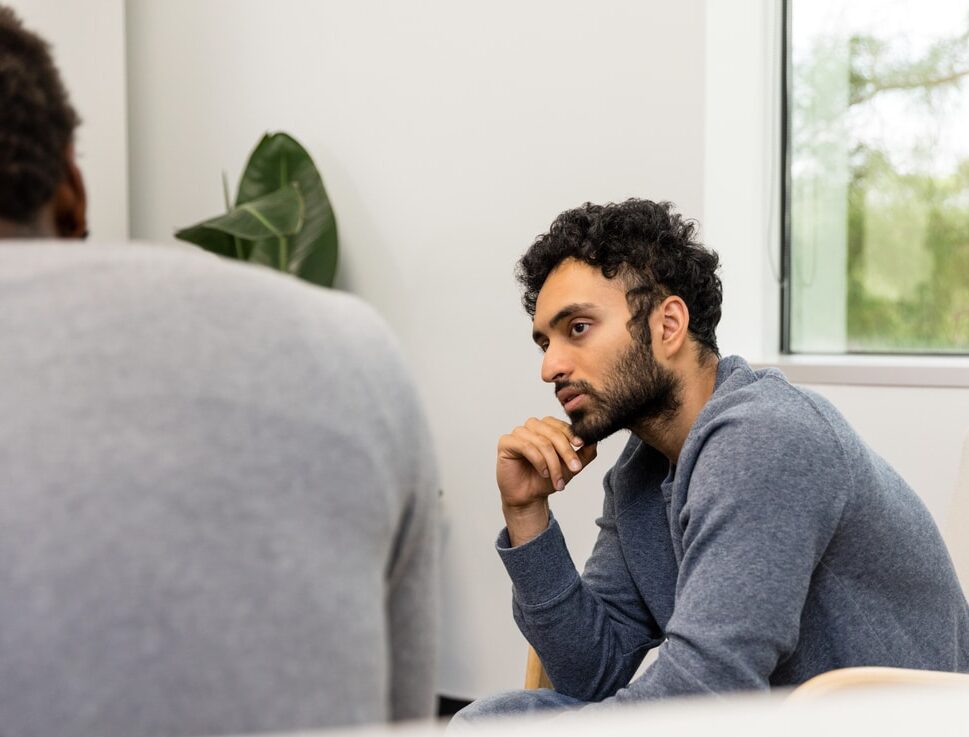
[[555, 365]]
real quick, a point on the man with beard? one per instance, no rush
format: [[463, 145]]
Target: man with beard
[[747, 532]]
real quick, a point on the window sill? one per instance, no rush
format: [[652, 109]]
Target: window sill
[[913, 371]]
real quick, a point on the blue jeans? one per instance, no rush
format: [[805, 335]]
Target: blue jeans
[[529, 701]]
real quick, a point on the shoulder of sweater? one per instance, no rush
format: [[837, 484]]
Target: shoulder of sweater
[[766, 423], [769, 400]]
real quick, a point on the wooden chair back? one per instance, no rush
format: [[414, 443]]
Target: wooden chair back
[[535, 675], [844, 679]]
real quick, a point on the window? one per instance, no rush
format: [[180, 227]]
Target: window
[[876, 252]]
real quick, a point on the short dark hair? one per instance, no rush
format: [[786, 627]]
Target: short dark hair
[[37, 121], [647, 245]]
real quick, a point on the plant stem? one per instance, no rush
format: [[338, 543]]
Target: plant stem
[[283, 242], [225, 196]]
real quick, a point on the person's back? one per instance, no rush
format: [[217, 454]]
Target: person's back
[[217, 501]]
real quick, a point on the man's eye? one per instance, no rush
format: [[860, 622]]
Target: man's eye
[[579, 327]]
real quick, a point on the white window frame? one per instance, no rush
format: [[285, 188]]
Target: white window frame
[[742, 212]]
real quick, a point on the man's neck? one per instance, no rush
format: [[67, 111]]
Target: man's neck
[[39, 227], [668, 434]]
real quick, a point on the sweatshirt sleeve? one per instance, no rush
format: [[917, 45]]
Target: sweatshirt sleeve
[[764, 501], [591, 632], [413, 602], [413, 583]]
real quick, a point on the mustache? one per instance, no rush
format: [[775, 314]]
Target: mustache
[[580, 387]]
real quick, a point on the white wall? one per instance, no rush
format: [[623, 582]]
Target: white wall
[[448, 135], [88, 44], [742, 171]]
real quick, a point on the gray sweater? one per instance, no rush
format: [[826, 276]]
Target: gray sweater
[[779, 547], [217, 501]]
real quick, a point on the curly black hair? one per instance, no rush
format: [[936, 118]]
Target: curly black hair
[[647, 245], [37, 121]]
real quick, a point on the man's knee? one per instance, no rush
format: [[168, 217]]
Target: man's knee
[[515, 702]]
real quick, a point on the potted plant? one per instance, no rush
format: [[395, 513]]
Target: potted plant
[[282, 217]]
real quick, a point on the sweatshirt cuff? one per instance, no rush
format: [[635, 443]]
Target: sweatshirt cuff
[[541, 570]]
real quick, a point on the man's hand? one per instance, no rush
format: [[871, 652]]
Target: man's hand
[[534, 461]]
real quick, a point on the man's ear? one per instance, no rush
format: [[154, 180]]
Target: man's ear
[[70, 201], [672, 318]]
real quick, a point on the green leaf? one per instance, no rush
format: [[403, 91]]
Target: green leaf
[[310, 253], [210, 240], [275, 215]]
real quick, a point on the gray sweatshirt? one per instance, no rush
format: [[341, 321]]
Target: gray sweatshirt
[[778, 548], [217, 501]]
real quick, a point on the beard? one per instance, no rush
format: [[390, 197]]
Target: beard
[[637, 392]]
